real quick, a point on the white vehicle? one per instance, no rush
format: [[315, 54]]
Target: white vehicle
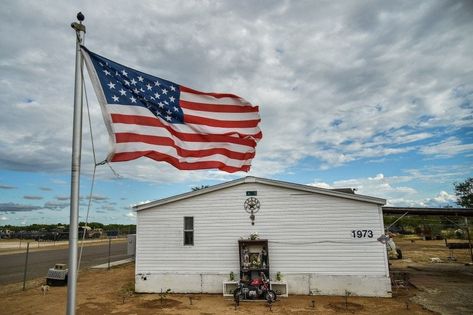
[[58, 274]]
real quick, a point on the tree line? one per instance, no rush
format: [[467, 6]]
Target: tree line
[[120, 228]]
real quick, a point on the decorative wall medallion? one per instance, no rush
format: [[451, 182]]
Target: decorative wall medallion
[[252, 206]]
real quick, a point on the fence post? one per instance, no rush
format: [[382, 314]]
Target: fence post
[[469, 238], [109, 250], [26, 265]]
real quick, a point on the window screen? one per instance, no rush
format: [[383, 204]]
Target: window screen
[[188, 230]]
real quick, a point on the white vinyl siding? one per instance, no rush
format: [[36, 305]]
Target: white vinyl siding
[[307, 233]]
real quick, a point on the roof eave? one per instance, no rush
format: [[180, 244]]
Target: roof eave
[[271, 182]]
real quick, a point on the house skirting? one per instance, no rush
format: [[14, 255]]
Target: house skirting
[[299, 284]]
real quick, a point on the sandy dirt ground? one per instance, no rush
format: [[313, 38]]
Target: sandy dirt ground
[[446, 285], [111, 292]]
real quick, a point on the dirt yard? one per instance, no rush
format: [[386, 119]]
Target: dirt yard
[[442, 284], [111, 292]]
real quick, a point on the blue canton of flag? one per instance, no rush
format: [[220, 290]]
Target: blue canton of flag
[[126, 86]]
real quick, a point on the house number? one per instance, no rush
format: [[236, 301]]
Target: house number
[[362, 233]]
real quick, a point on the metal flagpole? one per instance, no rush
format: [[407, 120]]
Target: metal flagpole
[[75, 171]]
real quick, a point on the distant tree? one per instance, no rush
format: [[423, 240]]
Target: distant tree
[[199, 188], [96, 225], [464, 193]]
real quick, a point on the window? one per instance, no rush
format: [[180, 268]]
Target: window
[[189, 231]]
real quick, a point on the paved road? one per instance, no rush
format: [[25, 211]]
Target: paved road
[[12, 266]]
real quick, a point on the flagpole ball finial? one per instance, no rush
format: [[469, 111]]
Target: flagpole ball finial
[[79, 27], [80, 17]]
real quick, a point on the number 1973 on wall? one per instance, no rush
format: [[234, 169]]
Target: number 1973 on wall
[[362, 233]]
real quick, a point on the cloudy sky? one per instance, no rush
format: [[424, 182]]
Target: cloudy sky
[[373, 95]]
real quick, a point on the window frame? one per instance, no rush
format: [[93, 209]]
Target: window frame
[[188, 231]]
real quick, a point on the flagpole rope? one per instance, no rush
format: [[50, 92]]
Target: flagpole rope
[[113, 171], [95, 167]]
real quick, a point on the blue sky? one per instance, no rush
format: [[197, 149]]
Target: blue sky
[[370, 95]]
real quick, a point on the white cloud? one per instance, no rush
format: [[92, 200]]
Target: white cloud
[[3, 218], [338, 83], [321, 185], [444, 196], [449, 147], [378, 186], [389, 188], [442, 199]]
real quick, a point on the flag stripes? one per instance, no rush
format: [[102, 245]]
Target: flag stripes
[[154, 118]]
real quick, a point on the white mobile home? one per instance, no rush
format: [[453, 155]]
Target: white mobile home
[[320, 240]]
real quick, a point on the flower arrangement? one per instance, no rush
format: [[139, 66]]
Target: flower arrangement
[[254, 236]]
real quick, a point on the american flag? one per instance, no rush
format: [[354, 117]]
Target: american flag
[[147, 116]]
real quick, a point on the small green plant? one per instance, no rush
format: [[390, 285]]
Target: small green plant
[[127, 291], [163, 295], [278, 276], [232, 276], [254, 236], [347, 294]]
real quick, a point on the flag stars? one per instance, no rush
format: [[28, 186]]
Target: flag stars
[[129, 87]]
